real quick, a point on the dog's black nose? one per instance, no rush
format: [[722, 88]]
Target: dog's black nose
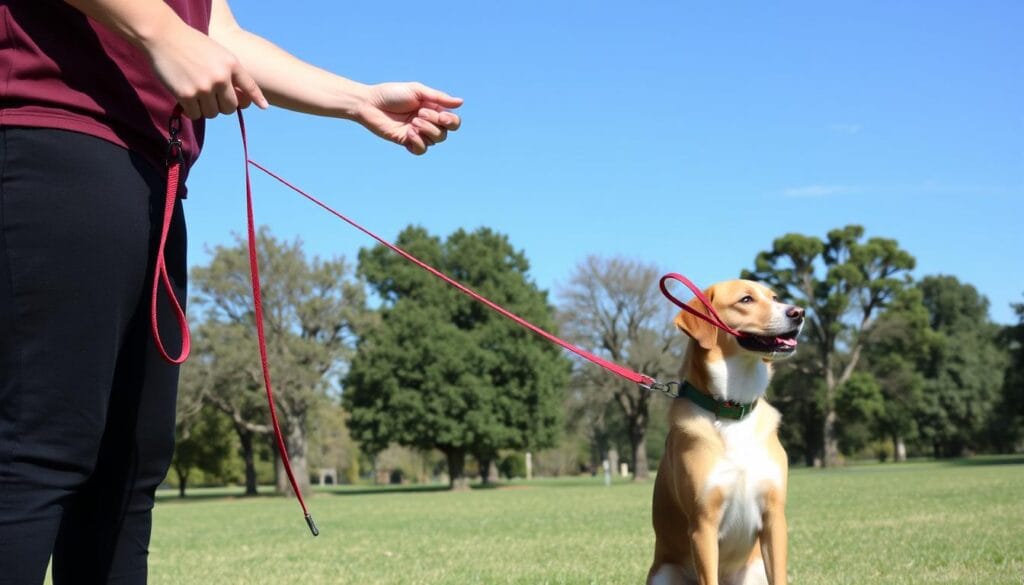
[[795, 313]]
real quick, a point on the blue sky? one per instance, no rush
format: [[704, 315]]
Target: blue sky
[[688, 135]]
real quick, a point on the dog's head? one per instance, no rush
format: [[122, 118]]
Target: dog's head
[[770, 327]]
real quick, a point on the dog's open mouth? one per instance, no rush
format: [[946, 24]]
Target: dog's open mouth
[[784, 343]]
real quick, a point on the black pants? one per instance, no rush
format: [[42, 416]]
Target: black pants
[[86, 403]]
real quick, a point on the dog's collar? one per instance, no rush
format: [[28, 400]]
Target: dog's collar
[[720, 408]]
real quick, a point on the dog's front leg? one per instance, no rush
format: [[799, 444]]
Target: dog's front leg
[[704, 537], [774, 537]]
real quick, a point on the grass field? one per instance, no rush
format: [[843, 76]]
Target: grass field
[[959, 522]]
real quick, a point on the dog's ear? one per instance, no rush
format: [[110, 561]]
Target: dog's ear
[[701, 331]]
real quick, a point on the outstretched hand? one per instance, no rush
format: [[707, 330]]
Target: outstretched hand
[[410, 114]]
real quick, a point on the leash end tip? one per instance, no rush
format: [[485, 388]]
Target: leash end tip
[[312, 525]]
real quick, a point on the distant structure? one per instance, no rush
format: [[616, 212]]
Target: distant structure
[[328, 476]]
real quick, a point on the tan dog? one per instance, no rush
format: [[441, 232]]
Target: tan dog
[[720, 494]]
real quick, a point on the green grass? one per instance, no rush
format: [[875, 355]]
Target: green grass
[[893, 524]]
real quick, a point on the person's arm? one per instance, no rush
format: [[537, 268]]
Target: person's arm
[[409, 114], [203, 76]]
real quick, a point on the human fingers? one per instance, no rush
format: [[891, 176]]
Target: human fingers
[[208, 104], [248, 87], [190, 107], [439, 117], [430, 131], [227, 100], [429, 94], [414, 143], [244, 101]]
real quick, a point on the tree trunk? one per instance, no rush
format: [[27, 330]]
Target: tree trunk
[[830, 443], [457, 479], [899, 449], [488, 470], [638, 441], [485, 470], [182, 480], [635, 410], [295, 440], [249, 458], [613, 460]]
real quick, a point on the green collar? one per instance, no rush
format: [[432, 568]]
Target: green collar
[[720, 408]]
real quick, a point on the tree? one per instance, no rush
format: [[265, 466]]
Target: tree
[[963, 370], [312, 310], [202, 439], [1008, 422], [844, 283], [443, 371], [612, 307], [897, 347], [205, 444], [222, 354], [859, 406], [797, 390]]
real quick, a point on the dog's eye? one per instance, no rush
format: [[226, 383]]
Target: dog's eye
[[747, 299], [775, 298]]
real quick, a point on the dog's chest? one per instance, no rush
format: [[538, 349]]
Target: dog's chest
[[744, 473]]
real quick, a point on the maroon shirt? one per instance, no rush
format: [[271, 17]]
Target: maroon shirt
[[60, 69]]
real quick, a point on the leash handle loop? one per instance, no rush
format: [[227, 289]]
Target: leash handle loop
[[712, 317], [175, 159]]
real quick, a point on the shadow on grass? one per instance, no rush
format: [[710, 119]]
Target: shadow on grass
[[986, 460], [869, 466], [203, 495], [384, 490], [407, 489]]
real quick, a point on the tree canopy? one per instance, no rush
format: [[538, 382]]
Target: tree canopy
[[963, 369], [313, 310], [844, 282], [443, 371]]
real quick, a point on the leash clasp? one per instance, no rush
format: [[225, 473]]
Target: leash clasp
[[670, 388], [175, 151]]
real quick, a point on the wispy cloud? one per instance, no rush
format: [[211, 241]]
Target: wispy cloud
[[927, 187], [844, 128], [815, 190]]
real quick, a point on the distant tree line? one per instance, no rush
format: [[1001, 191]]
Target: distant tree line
[[381, 354], [889, 366]]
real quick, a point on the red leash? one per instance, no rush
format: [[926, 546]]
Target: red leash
[[175, 159], [626, 373], [257, 303], [173, 169]]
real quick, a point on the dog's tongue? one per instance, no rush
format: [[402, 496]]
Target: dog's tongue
[[785, 341]]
